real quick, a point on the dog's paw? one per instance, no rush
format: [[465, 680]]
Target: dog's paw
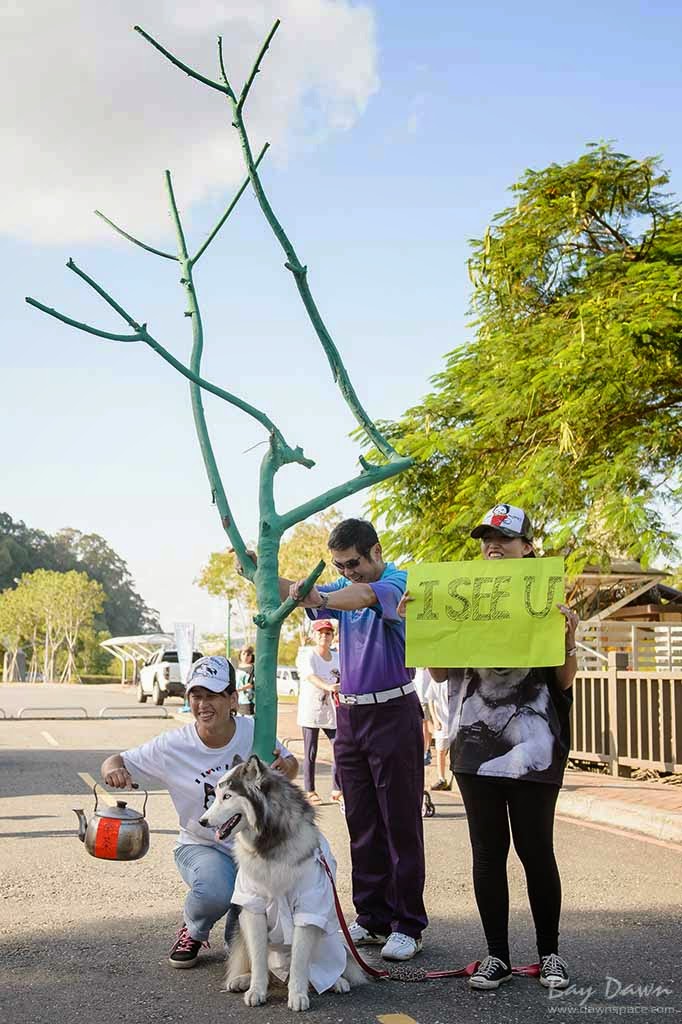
[[239, 983], [299, 1001], [255, 996], [342, 985]]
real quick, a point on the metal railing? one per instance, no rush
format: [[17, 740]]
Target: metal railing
[[625, 718], [47, 714], [27, 712], [140, 712]]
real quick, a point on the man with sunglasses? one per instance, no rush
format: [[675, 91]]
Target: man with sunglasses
[[379, 748]]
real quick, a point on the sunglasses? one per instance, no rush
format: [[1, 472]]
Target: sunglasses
[[352, 563]]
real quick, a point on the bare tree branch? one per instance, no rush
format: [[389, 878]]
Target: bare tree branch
[[107, 298], [299, 271], [239, 194], [288, 605], [135, 241], [80, 326], [178, 63], [336, 494], [142, 334], [223, 73], [256, 68], [182, 244]]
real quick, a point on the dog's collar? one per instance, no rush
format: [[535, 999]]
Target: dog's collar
[[497, 703], [523, 694]]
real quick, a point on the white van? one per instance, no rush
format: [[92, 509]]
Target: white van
[[287, 681]]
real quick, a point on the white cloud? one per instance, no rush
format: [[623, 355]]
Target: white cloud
[[98, 114]]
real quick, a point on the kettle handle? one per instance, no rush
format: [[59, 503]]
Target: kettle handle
[[133, 785]]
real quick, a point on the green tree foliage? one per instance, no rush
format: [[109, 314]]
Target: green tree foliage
[[22, 550], [305, 545], [48, 615], [567, 400]]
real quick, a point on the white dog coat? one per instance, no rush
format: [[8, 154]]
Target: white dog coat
[[310, 901]]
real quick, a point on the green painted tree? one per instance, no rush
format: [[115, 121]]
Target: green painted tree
[[272, 524], [567, 401], [305, 546]]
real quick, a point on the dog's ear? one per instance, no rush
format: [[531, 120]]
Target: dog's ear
[[255, 770], [236, 760]]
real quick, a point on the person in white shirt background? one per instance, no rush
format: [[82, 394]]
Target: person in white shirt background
[[318, 669], [423, 684], [188, 761], [443, 703]]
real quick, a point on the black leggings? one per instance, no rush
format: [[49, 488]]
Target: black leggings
[[491, 804]]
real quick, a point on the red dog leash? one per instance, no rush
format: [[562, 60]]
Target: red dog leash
[[403, 972]]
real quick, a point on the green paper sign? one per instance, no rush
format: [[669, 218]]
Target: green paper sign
[[486, 614]]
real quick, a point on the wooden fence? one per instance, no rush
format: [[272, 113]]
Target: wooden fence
[[626, 718], [650, 646]]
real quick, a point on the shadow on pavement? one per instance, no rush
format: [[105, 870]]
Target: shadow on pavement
[[117, 969], [51, 772]]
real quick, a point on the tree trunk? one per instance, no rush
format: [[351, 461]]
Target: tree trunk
[[267, 643], [266, 693]]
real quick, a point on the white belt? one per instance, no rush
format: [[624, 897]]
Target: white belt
[[375, 698]]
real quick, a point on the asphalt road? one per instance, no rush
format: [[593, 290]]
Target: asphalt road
[[86, 940], [71, 699]]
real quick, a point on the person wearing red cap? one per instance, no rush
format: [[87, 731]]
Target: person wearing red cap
[[318, 669]]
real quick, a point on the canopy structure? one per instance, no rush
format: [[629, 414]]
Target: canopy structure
[[626, 608], [135, 649], [602, 594]]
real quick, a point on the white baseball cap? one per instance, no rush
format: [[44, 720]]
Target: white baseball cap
[[214, 673], [508, 520]]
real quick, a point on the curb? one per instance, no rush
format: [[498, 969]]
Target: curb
[[663, 825]]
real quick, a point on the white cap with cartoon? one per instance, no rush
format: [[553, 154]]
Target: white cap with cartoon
[[212, 672], [508, 520]]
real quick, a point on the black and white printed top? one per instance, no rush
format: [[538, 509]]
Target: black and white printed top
[[510, 723]]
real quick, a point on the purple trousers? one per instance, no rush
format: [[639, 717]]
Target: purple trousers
[[379, 754]]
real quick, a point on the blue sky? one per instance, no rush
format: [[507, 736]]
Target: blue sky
[[99, 436]]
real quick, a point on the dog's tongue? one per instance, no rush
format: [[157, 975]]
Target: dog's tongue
[[224, 830]]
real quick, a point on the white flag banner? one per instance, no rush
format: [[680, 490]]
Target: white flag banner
[[184, 645]]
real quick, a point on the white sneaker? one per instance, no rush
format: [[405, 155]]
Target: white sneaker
[[362, 937], [401, 947]]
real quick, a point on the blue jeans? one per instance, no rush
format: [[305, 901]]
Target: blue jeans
[[210, 876]]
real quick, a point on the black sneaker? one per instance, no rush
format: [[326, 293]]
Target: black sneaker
[[441, 785], [185, 950], [554, 971], [490, 973]]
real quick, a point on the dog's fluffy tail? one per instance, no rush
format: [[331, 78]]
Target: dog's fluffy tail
[[353, 973], [238, 963]]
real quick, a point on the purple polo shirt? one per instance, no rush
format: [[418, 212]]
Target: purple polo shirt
[[372, 640]]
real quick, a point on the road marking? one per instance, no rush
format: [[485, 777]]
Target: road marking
[[396, 1018], [622, 832], [88, 780], [50, 738]]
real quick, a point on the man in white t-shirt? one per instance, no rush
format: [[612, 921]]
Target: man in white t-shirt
[[188, 761], [318, 669]]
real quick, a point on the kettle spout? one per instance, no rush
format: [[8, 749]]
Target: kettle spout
[[82, 823]]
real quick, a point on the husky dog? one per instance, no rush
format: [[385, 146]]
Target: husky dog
[[288, 923], [506, 715]]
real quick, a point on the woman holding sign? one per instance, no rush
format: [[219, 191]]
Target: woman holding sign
[[509, 752]]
